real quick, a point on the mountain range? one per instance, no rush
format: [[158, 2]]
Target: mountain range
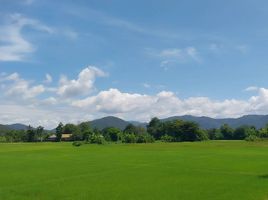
[[258, 121]]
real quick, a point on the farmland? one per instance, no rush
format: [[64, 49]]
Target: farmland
[[215, 170]]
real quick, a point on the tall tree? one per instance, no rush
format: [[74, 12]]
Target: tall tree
[[227, 131], [39, 132], [154, 128], [30, 134], [112, 133], [85, 130], [59, 131]]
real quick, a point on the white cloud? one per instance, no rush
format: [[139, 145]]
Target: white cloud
[[48, 78], [83, 85], [18, 88], [15, 47], [173, 56], [113, 101], [48, 109], [251, 89], [163, 104]]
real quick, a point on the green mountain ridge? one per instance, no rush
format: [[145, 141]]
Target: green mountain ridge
[[258, 121]]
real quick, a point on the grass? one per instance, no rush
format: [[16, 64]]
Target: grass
[[217, 170]]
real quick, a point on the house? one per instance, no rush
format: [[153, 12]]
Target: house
[[64, 137], [51, 138]]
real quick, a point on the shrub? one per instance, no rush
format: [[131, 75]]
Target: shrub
[[3, 139], [77, 143], [111, 134], [129, 138], [202, 135], [167, 138], [252, 138], [96, 139], [145, 138]]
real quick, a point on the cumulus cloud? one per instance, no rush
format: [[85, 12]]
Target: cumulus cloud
[[16, 87], [163, 104], [83, 85], [114, 101], [46, 106], [14, 46]]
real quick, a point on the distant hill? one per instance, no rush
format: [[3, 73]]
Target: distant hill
[[258, 121], [111, 121], [5, 128], [17, 127]]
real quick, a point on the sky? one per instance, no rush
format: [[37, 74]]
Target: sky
[[72, 61]]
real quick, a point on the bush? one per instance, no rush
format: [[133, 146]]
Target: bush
[[167, 138], [252, 138], [145, 138], [96, 139], [77, 143], [202, 135], [3, 139], [129, 138]]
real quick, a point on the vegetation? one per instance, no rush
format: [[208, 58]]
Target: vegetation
[[166, 131]]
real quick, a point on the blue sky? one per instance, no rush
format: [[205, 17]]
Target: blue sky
[[135, 59]]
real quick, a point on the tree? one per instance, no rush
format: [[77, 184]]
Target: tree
[[154, 128], [111, 133], [227, 132], [85, 130], [59, 131], [263, 133], [39, 132], [145, 138], [190, 131], [130, 128], [129, 138], [31, 134]]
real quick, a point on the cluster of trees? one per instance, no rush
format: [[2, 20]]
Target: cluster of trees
[[176, 131], [167, 131], [225, 132], [83, 132], [29, 135]]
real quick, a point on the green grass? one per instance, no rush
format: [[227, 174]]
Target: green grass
[[201, 170]]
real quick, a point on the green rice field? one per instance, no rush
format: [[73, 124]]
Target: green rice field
[[216, 170]]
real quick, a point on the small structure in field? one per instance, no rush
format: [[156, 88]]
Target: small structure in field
[[64, 137]]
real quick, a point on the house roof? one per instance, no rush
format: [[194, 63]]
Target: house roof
[[66, 135]]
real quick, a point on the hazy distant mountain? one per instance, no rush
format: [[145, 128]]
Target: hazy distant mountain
[[4, 128], [17, 127], [258, 121], [109, 122]]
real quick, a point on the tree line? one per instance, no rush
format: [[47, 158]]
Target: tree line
[[156, 130]]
